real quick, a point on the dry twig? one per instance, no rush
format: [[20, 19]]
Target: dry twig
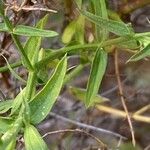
[[122, 97], [102, 145], [86, 126]]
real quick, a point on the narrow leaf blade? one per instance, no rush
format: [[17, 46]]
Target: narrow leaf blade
[[45, 99], [115, 27], [32, 31], [33, 140], [32, 46], [97, 72]]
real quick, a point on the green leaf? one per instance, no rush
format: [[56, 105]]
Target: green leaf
[[42, 103], [3, 27], [43, 73], [130, 44], [101, 11], [32, 46], [69, 32], [118, 28], [17, 102], [33, 140], [5, 106], [32, 31], [80, 94], [11, 145], [5, 124], [97, 72], [141, 54], [79, 34], [12, 132]]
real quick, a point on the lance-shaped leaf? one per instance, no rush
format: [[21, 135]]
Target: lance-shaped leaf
[[32, 31], [69, 32], [42, 103], [115, 27], [32, 46], [80, 94], [141, 54], [33, 140], [97, 72]]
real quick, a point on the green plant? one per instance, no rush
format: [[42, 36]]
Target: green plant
[[31, 107]]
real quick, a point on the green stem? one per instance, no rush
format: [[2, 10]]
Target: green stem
[[17, 42], [31, 86], [60, 52], [21, 49], [76, 48], [13, 65]]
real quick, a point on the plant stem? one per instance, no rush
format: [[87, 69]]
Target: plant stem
[[13, 65], [60, 52], [17, 42], [31, 85], [76, 48]]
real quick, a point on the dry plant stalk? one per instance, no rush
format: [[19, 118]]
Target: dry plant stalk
[[122, 97]]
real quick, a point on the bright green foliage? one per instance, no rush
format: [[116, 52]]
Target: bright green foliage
[[42, 103], [97, 72], [74, 29], [69, 32], [5, 124], [33, 140]]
